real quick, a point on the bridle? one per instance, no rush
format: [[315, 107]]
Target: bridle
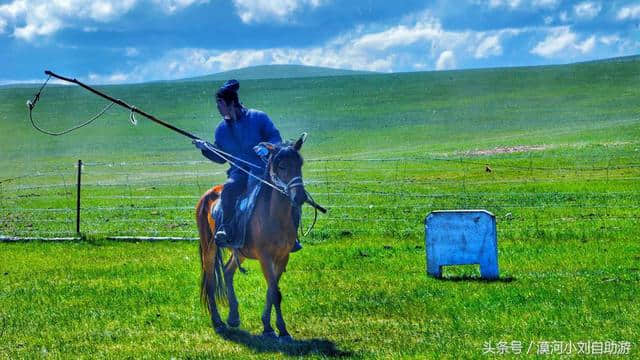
[[284, 187]]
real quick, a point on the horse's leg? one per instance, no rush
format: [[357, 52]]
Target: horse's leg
[[233, 319], [216, 320], [282, 327], [268, 271]]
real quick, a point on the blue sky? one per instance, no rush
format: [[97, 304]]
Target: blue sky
[[109, 41]]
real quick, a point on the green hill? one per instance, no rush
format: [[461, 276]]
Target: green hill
[[385, 113], [276, 72]]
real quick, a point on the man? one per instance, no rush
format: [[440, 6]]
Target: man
[[238, 133]]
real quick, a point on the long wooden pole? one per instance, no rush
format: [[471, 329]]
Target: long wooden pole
[[123, 104], [147, 115]]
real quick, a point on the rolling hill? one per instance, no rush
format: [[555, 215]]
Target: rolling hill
[[276, 72]]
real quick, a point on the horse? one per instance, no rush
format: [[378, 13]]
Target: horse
[[270, 236]]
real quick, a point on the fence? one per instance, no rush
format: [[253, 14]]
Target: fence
[[533, 195]]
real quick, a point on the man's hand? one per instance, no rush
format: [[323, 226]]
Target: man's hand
[[201, 144], [261, 150]]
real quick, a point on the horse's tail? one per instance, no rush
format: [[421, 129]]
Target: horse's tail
[[212, 285]]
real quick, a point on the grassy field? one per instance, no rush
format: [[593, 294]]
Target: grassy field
[[561, 143]]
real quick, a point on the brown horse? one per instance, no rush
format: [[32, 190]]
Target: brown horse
[[270, 237]]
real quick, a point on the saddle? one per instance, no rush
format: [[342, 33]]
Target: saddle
[[240, 222]]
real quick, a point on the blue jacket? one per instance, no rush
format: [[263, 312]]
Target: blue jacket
[[239, 137]]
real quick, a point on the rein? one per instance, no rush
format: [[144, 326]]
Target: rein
[[276, 184]]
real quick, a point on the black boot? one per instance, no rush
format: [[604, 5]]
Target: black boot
[[297, 246], [223, 235]]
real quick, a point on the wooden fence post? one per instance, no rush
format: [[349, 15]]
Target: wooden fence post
[[78, 197]]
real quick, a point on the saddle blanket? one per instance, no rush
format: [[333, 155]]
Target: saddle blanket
[[240, 222]]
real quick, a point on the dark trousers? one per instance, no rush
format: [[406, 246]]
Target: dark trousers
[[234, 187]]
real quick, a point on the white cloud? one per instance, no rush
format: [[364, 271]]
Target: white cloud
[[171, 6], [609, 39], [34, 18], [3, 24], [257, 11], [629, 13], [489, 46], [557, 41], [114, 78], [561, 42], [507, 3], [564, 17], [131, 52], [420, 42], [520, 4], [34, 81], [446, 60], [424, 30], [587, 46], [546, 3], [587, 10]]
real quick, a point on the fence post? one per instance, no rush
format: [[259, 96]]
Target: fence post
[[78, 197]]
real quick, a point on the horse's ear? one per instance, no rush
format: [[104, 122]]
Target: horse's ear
[[300, 141]]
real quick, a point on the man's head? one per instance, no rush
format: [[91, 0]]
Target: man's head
[[227, 98]]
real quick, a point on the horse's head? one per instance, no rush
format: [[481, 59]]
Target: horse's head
[[285, 169]]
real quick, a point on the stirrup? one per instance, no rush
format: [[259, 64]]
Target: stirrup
[[297, 246], [221, 236]]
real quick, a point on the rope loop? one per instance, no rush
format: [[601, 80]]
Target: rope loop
[[33, 123], [132, 116]]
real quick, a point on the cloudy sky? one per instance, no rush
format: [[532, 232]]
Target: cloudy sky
[[121, 41]]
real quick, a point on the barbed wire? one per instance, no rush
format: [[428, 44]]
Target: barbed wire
[[397, 176], [416, 220], [390, 206], [455, 158], [358, 182], [475, 194]]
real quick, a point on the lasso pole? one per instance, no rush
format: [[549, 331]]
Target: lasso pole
[[123, 104], [133, 109]]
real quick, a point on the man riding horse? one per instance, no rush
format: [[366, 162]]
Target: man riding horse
[[238, 134]]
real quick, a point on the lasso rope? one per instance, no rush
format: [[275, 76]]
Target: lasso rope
[[315, 216], [71, 128], [31, 104]]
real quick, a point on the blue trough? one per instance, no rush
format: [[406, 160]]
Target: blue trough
[[461, 237]]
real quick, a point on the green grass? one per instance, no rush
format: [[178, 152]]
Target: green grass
[[358, 297], [384, 150]]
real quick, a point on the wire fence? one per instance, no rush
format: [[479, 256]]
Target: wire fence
[[572, 197]]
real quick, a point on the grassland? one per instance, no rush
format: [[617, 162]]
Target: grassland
[[561, 144]]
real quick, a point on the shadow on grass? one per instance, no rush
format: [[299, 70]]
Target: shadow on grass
[[261, 344], [471, 278]]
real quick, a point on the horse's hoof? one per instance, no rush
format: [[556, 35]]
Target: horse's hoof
[[220, 328], [285, 339], [271, 335], [234, 323]]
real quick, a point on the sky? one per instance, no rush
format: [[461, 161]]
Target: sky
[[126, 41]]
